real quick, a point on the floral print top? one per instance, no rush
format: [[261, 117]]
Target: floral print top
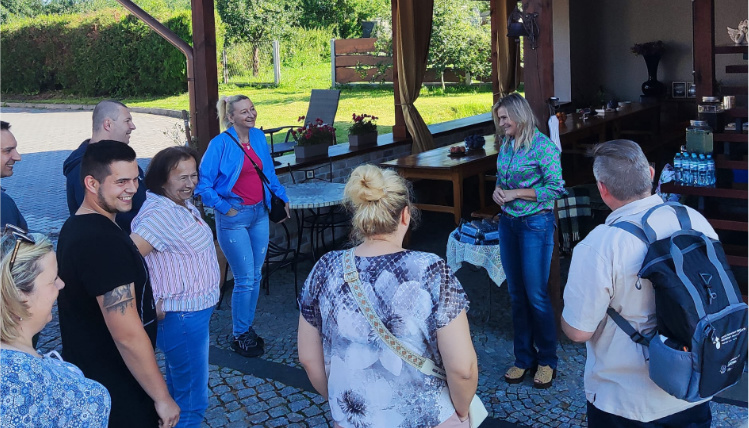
[[539, 168], [48, 392], [415, 294]]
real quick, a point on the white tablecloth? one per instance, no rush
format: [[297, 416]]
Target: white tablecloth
[[486, 256], [314, 194]]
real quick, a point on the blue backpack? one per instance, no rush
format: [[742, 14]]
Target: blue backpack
[[700, 346]]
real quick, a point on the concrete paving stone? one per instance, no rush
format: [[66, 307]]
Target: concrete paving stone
[[236, 415], [227, 397], [295, 417], [258, 417], [312, 411], [278, 421], [232, 406], [278, 411], [277, 401], [258, 407], [221, 389], [267, 395], [265, 387], [296, 406], [250, 401], [243, 392]]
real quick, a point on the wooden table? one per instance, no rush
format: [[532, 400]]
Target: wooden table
[[607, 126], [435, 164]]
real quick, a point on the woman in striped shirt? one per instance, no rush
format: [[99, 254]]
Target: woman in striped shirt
[[178, 247]]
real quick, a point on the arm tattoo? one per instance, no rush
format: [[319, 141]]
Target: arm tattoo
[[118, 299]]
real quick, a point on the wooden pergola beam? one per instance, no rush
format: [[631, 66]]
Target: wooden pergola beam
[[206, 72]]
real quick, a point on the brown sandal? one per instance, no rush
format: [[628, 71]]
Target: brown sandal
[[515, 375], [545, 376]]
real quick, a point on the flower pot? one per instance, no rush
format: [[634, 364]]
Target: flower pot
[[362, 140], [311, 151]]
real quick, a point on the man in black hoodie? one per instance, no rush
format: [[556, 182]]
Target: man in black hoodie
[[111, 121]]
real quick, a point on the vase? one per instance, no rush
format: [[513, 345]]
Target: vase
[[652, 87], [362, 140], [311, 151]]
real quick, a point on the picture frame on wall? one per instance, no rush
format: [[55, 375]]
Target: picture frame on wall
[[691, 90], [679, 89]]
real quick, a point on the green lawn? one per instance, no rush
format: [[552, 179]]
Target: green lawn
[[282, 105]]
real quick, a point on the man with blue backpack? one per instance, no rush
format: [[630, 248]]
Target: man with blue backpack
[[652, 296]]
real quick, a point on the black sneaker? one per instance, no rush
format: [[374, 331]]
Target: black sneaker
[[253, 335], [247, 347]]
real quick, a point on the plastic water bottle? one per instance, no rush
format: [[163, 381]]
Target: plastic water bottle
[[677, 168], [702, 171], [710, 171], [694, 169]]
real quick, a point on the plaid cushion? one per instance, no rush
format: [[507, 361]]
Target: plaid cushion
[[572, 211]]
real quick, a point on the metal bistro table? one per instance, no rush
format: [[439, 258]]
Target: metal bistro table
[[308, 199], [435, 164]]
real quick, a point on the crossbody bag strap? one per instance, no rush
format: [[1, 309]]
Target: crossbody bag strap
[[260, 173], [263, 179], [351, 276]]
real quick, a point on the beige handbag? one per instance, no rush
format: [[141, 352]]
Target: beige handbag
[[476, 413]]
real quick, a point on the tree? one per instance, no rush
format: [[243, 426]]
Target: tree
[[458, 39], [256, 22], [345, 16]]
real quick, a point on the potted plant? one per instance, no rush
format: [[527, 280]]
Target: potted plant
[[363, 132], [313, 139]]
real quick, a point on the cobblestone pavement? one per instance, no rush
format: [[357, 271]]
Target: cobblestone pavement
[[254, 395]]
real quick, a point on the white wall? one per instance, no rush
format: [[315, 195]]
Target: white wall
[[561, 37]]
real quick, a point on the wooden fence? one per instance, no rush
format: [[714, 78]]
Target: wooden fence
[[359, 60]]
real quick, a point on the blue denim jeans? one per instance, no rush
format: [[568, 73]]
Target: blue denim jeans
[[244, 240], [183, 337], [526, 244]]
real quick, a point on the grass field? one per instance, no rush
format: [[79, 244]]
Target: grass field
[[282, 105]]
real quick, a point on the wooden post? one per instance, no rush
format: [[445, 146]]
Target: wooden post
[[400, 132], [703, 39], [495, 34], [206, 73], [539, 63]]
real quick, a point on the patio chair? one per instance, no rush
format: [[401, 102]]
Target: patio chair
[[323, 105]]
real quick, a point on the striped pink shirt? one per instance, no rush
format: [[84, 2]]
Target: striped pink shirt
[[184, 269]]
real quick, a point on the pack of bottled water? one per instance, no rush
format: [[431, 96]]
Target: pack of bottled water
[[692, 169]]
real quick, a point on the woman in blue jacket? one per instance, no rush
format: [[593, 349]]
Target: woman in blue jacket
[[231, 185]]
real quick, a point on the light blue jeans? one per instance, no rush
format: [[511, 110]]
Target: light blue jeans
[[244, 240], [183, 337]]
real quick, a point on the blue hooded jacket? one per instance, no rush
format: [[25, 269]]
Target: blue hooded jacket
[[221, 165]]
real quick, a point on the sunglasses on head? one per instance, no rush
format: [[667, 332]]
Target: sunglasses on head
[[21, 236]]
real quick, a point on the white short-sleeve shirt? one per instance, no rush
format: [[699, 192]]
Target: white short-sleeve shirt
[[603, 273]]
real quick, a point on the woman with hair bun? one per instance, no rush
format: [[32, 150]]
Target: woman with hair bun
[[529, 180], [36, 390], [231, 185], [417, 299]]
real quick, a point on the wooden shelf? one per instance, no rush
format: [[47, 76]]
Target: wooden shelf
[[723, 224], [736, 255], [730, 49], [729, 164], [733, 90], [731, 137], [704, 191], [736, 68], [737, 112]]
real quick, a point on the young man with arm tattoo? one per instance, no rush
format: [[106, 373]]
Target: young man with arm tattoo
[[107, 312]]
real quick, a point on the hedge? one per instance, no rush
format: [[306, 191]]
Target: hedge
[[107, 53]]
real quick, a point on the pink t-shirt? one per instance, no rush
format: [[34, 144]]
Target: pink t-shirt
[[248, 185]]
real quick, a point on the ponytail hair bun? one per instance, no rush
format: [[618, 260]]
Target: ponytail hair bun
[[376, 197]]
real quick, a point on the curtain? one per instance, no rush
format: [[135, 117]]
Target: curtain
[[508, 50], [414, 29]]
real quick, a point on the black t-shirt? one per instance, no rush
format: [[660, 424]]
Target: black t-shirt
[[94, 257]]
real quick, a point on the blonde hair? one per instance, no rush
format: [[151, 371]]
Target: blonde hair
[[520, 112], [17, 284], [377, 197], [225, 106]]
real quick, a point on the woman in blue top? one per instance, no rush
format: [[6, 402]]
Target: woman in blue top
[[529, 179], [230, 184], [36, 390]]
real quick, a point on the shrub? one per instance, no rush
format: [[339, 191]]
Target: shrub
[[106, 53]]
